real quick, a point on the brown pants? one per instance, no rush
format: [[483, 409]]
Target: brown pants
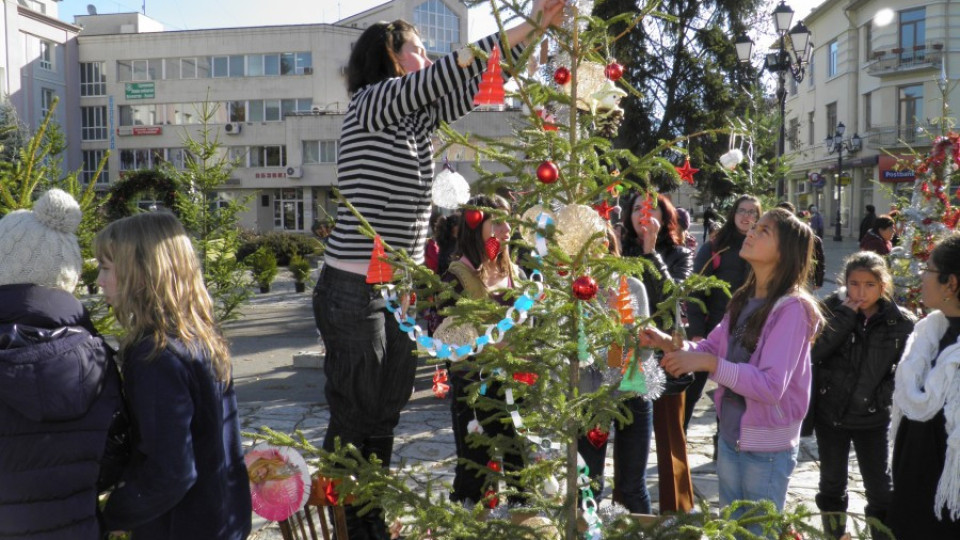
[[676, 486]]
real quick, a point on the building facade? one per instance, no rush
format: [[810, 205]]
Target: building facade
[[38, 66], [878, 71], [274, 97]]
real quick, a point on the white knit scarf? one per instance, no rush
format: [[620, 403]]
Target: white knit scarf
[[920, 393]]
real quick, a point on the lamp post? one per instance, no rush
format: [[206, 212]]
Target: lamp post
[[792, 57], [836, 143]]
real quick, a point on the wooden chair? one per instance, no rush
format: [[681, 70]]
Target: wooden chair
[[304, 524]]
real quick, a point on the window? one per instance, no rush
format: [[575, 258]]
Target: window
[[237, 66], [867, 111], [811, 71], [255, 65], [188, 68], [268, 156], [256, 111], [832, 50], [93, 123], [138, 115], [93, 79], [439, 27], [46, 55], [868, 41], [287, 63], [124, 70], [304, 63], [288, 209], [237, 111], [271, 64], [910, 111], [46, 101], [320, 151], [221, 66], [141, 158], [913, 33], [811, 133], [288, 106], [91, 160], [793, 133], [831, 119], [144, 71], [271, 110], [237, 155]]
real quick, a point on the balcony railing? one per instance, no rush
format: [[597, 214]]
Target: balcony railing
[[898, 59], [900, 135]]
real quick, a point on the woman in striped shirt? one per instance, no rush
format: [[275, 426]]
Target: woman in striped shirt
[[385, 170]]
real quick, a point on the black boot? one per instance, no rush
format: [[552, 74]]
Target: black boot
[[834, 519]]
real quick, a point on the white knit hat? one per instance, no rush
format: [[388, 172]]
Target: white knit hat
[[39, 246]]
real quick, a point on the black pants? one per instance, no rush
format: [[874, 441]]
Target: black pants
[[470, 481], [369, 367], [871, 449]]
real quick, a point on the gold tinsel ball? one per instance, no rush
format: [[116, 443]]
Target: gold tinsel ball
[[576, 223], [530, 216]]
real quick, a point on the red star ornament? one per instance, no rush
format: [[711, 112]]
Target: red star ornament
[[604, 209], [491, 85], [686, 172]]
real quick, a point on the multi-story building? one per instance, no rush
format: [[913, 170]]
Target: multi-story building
[[275, 97], [877, 71], [38, 65]]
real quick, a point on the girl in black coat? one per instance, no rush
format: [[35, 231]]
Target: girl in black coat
[[854, 361]]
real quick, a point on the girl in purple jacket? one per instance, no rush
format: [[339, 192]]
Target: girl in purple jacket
[[759, 356]]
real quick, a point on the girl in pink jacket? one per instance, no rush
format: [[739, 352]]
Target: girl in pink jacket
[[759, 356]]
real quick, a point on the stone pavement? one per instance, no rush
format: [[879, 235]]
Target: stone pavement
[[272, 393]]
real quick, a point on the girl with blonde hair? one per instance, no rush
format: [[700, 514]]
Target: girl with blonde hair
[[186, 477]]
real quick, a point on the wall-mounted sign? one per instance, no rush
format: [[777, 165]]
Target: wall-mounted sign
[[888, 173], [141, 90], [271, 175], [147, 130]]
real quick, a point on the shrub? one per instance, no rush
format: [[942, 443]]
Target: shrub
[[283, 245], [263, 265], [89, 272], [300, 268]]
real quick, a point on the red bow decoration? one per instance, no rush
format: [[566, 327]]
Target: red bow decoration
[[686, 172], [491, 498], [440, 386], [379, 270], [597, 437], [526, 377], [491, 85]]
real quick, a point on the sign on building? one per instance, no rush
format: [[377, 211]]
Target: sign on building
[[141, 90]]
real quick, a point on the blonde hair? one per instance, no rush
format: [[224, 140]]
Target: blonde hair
[[160, 292]]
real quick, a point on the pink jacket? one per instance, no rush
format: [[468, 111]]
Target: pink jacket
[[775, 382]]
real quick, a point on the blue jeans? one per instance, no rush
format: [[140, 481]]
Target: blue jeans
[[754, 476], [631, 449]]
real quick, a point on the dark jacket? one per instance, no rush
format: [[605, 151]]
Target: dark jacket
[[867, 223], [673, 264], [875, 243], [819, 262], [730, 268], [186, 478], [59, 389], [854, 364]]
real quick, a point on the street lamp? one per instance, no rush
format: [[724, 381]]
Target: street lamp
[[790, 58], [836, 143]]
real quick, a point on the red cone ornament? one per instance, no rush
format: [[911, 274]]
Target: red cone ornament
[[379, 270], [491, 85], [548, 172], [584, 288]]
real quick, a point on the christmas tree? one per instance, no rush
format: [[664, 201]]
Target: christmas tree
[[565, 178]]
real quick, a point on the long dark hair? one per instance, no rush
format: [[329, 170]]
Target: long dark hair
[[728, 232], [795, 246], [670, 234], [375, 56], [946, 257], [470, 242]]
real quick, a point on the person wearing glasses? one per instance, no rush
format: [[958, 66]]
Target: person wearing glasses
[[925, 420], [720, 257]]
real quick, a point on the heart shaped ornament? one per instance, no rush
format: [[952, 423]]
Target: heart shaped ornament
[[492, 245], [597, 437]]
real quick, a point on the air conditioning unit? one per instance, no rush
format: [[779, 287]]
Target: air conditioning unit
[[294, 172], [803, 187], [308, 71], [316, 110], [233, 128]]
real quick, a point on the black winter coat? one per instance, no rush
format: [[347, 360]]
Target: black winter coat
[[673, 264], [59, 389], [854, 364], [730, 268]]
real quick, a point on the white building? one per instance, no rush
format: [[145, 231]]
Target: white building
[[876, 72], [279, 95], [38, 64]]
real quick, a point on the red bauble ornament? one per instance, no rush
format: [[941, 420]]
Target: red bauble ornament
[[440, 383], [493, 465], [491, 498], [597, 437], [584, 288], [561, 76], [473, 217], [548, 172], [492, 245], [613, 71]]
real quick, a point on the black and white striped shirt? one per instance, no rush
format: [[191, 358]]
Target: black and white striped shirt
[[385, 164]]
